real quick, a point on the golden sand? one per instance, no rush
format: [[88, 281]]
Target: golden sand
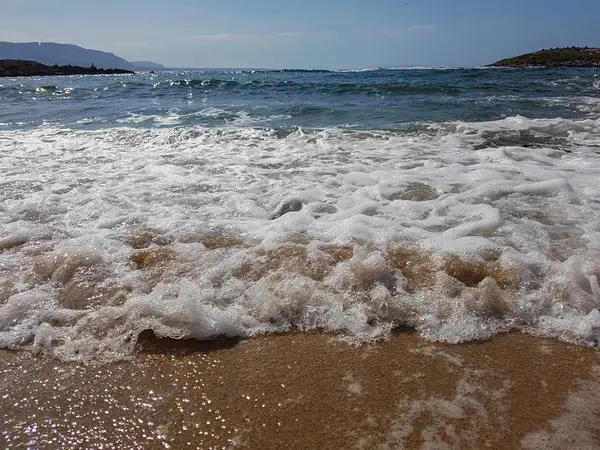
[[153, 257], [309, 391]]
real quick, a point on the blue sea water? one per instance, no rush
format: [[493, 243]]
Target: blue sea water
[[198, 203], [362, 99]]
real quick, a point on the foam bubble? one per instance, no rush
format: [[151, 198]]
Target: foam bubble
[[460, 231]]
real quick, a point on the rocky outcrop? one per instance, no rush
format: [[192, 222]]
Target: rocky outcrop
[[556, 57], [18, 68]]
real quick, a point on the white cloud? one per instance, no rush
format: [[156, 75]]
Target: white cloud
[[421, 27], [240, 37], [290, 34], [213, 37], [399, 31], [131, 44]]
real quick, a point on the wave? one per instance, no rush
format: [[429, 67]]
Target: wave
[[395, 88], [308, 87], [460, 230]]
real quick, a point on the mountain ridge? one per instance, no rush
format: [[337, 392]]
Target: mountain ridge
[[146, 65], [51, 53]]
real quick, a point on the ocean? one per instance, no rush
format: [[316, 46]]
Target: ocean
[[460, 203]]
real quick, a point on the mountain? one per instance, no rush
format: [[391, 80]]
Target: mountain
[[20, 68], [555, 57], [50, 53], [146, 65]]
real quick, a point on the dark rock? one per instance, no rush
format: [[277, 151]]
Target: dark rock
[[18, 68], [556, 57]]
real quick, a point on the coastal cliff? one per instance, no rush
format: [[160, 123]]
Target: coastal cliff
[[556, 57], [18, 68]]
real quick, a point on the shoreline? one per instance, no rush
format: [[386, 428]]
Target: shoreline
[[309, 390]]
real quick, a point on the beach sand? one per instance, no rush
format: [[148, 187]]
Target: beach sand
[[309, 391]]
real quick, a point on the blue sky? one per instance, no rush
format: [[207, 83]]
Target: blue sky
[[308, 33]]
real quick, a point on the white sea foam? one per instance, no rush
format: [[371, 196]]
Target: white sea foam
[[461, 231], [170, 119]]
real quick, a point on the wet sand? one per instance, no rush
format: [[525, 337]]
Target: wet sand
[[309, 391]]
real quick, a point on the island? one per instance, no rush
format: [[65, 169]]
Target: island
[[19, 68], [554, 57]]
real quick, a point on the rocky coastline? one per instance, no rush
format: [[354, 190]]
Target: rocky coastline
[[19, 68], [557, 57]]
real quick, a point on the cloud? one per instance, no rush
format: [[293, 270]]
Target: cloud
[[213, 37], [405, 30], [420, 27], [131, 44], [222, 37], [290, 34]]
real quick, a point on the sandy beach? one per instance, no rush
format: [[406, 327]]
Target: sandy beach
[[309, 390]]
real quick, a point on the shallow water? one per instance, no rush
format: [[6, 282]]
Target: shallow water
[[309, 390], [461, 203]]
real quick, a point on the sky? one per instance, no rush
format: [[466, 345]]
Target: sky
[[307, 34]]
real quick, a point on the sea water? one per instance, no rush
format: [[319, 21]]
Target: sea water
[[458, 202]]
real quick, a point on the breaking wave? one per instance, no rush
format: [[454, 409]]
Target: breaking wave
[[460, 230]]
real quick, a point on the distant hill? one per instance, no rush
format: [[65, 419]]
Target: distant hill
[[146, 65], [50, 53], [20, 68], [555, 57]]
